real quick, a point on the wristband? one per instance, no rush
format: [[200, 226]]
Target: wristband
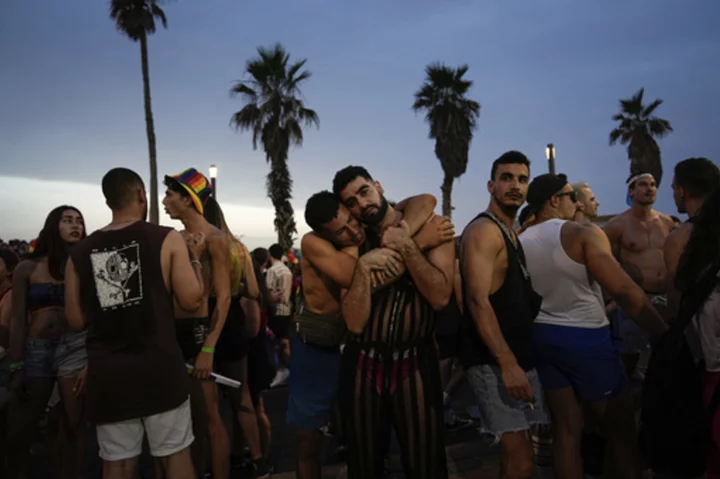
[[16, 366], [206, 349]]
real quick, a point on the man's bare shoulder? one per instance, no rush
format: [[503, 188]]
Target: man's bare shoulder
[[485, 233], [681, 233], [664, 218], [619, 220], [312, 243]]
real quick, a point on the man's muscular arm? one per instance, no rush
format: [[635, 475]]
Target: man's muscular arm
[[338, 265], [73, 311], [417, 210], [612, 277], [613, 230], [356, 301], [482, 245], [219, 248], [433, 276], [672, 250], [18, 322]]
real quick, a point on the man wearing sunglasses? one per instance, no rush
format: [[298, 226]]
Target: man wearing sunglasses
[[569, 265]]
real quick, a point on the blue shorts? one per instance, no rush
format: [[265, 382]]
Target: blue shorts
[[64, 357], [582, 358], [313, 384]]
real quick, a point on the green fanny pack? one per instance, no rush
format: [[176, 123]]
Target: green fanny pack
[[326, 331]]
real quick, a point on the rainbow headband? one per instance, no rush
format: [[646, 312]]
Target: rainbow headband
[[632, 180]]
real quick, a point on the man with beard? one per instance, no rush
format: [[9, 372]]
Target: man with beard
[[637, 237], [389, 373], [570, 264], [328, 260], [588, 205], [695, 179], [198, 331], [122, 281], [499, 308]]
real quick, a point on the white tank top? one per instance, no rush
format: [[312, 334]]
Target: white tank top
[[569, 297]]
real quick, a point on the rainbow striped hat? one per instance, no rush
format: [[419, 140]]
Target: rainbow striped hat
[[196, 184]]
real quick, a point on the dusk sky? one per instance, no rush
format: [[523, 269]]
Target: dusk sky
[[71, 104]]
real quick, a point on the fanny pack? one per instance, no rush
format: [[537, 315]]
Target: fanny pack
[[320, 330]]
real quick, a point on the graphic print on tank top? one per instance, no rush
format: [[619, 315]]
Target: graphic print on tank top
[[117, 273]]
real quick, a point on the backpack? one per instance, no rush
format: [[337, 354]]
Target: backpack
[[675, 426]]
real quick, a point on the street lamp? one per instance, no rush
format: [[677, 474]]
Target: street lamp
[[550, 154], [213, 178]]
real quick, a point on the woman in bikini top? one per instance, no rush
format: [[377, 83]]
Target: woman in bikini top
[[42, 350]]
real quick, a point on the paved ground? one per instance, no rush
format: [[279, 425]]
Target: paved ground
[[469, 454]]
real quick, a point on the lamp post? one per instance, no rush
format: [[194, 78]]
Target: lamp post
[[550, 154], [213, 182]]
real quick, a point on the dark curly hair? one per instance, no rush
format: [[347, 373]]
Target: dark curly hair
[[50, 244], [703, 246]]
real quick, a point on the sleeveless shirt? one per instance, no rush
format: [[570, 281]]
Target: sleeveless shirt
[[515, 305], [135, 367], [569, 297]]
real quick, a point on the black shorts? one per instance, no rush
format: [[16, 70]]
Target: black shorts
[[260, 369], [232, 344], [447, 336], [191, 334], [280, 326]]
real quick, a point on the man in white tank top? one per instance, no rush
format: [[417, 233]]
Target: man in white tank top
[[569, 264]]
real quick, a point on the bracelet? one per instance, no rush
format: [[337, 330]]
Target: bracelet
[[206, 349], [194, 261], [16, 366]]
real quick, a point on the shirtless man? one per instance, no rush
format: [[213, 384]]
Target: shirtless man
[[695, 179], [197, 331], [500, 306], [329, 258], [390, 374], [569, 264], [637, 237], [120, 283], [588, 205]]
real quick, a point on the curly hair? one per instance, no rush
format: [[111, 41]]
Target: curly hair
[[703, 246]]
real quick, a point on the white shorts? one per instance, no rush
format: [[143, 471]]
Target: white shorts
[[168, 433]]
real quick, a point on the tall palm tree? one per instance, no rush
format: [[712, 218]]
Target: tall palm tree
[[136, 19], [638, 129], [452, 118], [275, 115]]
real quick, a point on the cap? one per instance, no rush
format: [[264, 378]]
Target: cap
[[541, 189], [196, 184]]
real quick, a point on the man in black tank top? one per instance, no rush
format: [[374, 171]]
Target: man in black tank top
[[121, 280], [695, 179], [389, 373], [499, 308]]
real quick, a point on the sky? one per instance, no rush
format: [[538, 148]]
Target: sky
[[549, 71]]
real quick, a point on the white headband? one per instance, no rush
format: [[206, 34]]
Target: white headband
[[637, 177]]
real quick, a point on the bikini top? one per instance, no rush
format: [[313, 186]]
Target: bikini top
[[45, 295]]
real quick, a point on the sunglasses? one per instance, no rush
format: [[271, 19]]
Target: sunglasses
[[571, 194]]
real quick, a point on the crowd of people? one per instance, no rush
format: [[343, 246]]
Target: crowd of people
[[547, 316]]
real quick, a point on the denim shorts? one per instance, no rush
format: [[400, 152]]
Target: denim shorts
[[62, 358], [499, 412]]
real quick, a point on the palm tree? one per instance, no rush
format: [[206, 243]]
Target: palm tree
[[452, 118], [275, 115], [638, 129], [136, 19]]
